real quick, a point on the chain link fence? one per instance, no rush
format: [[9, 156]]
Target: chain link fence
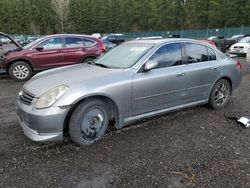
[[199, 33]]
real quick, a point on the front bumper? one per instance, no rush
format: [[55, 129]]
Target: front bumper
[[239, 52], [2, 71], [41, 125]]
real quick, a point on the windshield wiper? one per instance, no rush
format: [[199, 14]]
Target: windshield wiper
[[101, 65]]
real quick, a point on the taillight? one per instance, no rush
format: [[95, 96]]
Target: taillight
[[102, 47], [238, 65]]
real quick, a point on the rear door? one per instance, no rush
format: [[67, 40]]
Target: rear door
[[203, 70], [73, 50], [50, 56], [78, 48], [164, 86]]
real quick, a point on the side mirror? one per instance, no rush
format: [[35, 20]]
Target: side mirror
[[39, 48], [151, 64]]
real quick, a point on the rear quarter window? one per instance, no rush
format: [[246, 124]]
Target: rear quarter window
[[221, 55], [211, 54], [88, 42]]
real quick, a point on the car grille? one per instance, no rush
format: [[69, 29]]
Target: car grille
[[26, 97]]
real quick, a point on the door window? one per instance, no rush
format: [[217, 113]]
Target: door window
[[73, 42], [87, 43], [196, 53], [168, 55], [52, 43]]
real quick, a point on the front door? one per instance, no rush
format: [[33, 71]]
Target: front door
[[164, 86], [50, 56]]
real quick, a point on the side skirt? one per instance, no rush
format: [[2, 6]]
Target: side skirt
[[125, 121]]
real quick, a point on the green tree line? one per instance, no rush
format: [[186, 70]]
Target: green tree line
[[91, 16]]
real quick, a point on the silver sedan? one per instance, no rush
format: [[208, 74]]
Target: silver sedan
[[135, 80]]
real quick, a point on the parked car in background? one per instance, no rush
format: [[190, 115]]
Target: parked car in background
[[50, 52], [219, 41], [5, 40], [241, 47], [237, 38], [109, 45], [174, 36], [135, 80], [149, 38], [29, 40], [225, 43], [208, 41], [114, 38], [19, 39], [96, 35]]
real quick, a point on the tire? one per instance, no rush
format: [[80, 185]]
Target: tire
[[20, 71], [220, 94], [89, 60], [89, 122]]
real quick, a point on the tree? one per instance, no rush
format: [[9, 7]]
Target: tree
[[61, 8]]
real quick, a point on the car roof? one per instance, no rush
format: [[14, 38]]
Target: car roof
[[70, 35], [161, 41]]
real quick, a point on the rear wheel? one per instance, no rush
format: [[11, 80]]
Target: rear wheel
[[88, 60], [20, 71], [220, 94], [89, 122]]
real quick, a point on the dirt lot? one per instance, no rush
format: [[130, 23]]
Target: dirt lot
[[195, 147]]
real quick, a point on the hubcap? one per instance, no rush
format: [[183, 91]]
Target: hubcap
[[221, 94], [20, 71], [92, 123]]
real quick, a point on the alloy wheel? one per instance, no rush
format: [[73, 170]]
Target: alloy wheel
[[21, 71], [221, 94]]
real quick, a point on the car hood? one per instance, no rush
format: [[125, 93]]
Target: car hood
[[70, 76], [12, 40]]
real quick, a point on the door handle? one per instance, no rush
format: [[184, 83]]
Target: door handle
[[180, 74], [215, 68]]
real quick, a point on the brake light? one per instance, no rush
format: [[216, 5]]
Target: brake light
[[238, 65], [102, 47]]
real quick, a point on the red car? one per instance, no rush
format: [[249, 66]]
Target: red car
[[50, 52]]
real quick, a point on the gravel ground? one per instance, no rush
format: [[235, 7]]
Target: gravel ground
[[196, 147]]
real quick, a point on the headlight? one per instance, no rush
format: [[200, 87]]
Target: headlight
[[50, 97]]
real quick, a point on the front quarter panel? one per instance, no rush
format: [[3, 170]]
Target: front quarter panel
[[117, 87]]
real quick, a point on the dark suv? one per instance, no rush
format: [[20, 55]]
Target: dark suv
[[49, 52], [114, 38]]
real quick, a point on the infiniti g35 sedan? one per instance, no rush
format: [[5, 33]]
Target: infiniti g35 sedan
[[135, 80]]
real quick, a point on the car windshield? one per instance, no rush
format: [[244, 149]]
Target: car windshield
[[32, 43], [245, 40], [124, 56]]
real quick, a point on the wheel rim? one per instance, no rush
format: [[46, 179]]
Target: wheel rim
[[20, 71], [89, 61], [92, 123], [221, 94]]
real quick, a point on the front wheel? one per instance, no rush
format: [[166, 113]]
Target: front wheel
[[20, 71], [220, 94], [89, 122]]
